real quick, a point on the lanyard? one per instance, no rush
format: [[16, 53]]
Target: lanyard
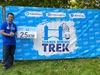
[[11, 28]]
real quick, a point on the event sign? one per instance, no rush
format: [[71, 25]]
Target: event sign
[[59, 33]]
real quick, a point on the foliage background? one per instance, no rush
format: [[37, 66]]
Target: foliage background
[[83, 4]]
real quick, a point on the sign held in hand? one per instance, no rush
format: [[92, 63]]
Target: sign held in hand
[[27, 32]]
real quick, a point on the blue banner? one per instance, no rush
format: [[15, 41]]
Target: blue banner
[[0, 35], [61, 33]]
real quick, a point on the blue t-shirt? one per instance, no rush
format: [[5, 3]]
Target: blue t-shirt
[[7, 40]]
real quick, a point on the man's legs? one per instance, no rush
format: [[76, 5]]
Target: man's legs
[[11, 56], [6, 56]]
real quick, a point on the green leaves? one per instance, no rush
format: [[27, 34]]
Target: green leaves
[[83, 4], [88, 4]]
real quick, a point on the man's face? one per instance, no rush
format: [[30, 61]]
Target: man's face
[[10, 18]]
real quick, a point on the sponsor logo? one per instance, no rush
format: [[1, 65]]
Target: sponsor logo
[[33, 14], [56, 14], [77, 15]]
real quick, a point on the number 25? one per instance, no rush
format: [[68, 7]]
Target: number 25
[[24, 34]]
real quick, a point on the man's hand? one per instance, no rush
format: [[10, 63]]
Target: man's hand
[[11, 34]]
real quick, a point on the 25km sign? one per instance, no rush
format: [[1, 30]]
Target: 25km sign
[[27, 32]]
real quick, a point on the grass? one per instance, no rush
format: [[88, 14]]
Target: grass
[[55, 67]]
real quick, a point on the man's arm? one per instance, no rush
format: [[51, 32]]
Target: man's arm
[[2, 30], [5, 34]]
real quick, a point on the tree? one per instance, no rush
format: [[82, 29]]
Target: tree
[[38, 3], [88, 4], [83, 4]]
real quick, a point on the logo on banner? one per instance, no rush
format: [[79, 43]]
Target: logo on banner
[[59, 45], [56, 14], [77, 15], [33, 14], [55, 38]]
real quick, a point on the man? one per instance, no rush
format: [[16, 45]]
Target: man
[[8, 30]]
